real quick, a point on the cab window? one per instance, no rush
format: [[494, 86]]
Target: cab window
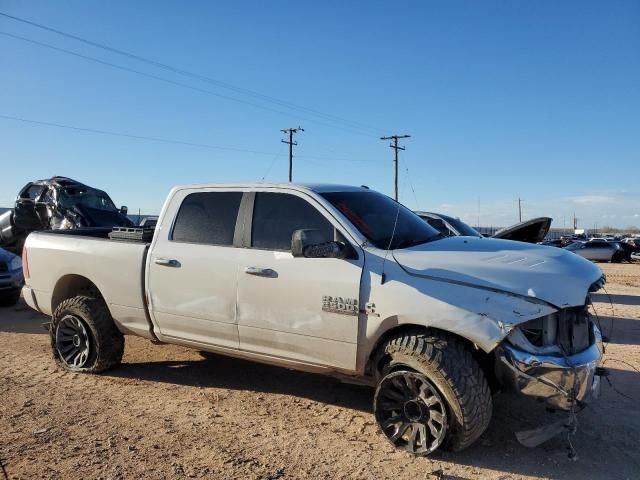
[[277, 215], [207, 218]]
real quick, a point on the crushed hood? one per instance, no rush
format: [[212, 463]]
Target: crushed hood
[[531, 231], [549, 274]]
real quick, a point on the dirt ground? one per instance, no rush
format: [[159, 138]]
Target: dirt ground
[[167, 412]]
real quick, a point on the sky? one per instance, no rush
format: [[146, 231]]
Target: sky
[[502, 99]]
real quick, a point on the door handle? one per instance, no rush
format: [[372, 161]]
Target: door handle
[[261, 272], [167, 262]]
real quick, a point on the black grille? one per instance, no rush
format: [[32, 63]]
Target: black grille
[[4, 267], [574, 334]]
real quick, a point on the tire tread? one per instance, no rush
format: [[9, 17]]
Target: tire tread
[[108, 340], [457, 370]]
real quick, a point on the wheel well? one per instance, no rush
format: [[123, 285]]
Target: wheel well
[[69, 286], [377, 359]]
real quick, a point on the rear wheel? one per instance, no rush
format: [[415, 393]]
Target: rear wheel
[[431, 393], [84, 337]]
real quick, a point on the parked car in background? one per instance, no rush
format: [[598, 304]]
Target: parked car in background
[[448, 226], [625, 248], [58, 203], [598, 250], [11, 279], [529, 231], [554, 243]]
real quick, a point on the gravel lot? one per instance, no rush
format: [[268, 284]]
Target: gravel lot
[[167, 412]]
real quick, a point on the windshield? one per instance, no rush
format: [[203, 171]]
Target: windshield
[[85, 197], [374, 215], [462, 228]]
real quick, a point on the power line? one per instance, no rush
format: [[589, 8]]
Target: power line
[[203, 78], [395, 147], [291, 143], [173, 82], [162, 140], [136, 137]]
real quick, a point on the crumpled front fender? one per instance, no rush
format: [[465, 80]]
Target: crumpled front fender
[[485, 318]]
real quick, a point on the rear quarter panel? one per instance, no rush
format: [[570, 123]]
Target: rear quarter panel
[[115, 268]]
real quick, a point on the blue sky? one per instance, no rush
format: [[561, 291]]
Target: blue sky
[[539, 100]]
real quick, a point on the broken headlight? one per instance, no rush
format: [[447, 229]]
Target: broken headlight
[[565, 332]]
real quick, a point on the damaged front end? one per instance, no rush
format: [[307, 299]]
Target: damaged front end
[[554, 358]]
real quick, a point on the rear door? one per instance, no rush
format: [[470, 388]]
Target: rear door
[[301, 309], [193, 267], [596, 251]]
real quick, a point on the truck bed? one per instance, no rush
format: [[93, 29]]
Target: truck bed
[[59, 258]]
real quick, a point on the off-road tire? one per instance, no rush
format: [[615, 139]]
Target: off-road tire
[[450, 367], [9, 298], [107, 342]]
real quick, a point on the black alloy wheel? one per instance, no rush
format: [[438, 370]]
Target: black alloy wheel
[[410, 412], [73, 341]]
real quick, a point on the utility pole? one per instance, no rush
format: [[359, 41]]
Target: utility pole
[[519, 209], [395, 147], [291, 143]]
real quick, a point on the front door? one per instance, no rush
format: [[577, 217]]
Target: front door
[[301, 309], [193, 269]]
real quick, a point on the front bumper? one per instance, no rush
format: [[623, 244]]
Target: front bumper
[[558, 380]]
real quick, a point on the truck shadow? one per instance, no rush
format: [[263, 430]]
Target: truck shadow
[[601, 430], [218, 371], [616, 298], [620, 330]]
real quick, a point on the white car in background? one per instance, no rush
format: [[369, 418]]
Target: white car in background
[[597, 250]]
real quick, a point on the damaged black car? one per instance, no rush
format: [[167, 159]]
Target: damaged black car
[[58, 203]]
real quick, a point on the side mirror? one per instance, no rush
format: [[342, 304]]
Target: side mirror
[[124, 210], [311, 244]]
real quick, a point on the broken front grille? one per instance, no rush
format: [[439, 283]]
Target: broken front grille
[[569, 329], [573, 330]]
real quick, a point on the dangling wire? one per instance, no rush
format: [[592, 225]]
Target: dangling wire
[[415, 198], [273, 162]]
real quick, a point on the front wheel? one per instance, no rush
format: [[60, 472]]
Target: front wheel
[[431, 393], [84, 337]]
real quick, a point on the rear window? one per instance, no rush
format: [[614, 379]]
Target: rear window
[[208, 218], [439, 225]]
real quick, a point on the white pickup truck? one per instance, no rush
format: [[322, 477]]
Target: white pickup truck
[[338, 280]]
